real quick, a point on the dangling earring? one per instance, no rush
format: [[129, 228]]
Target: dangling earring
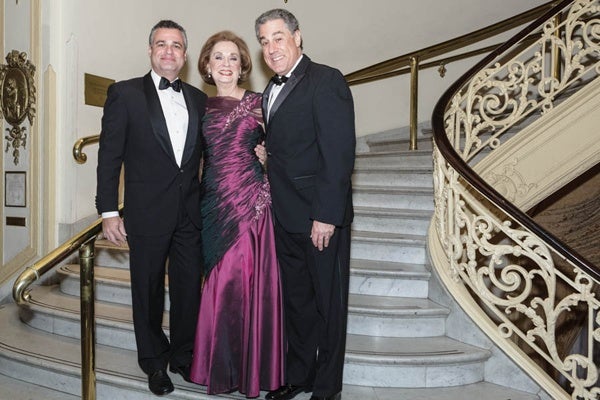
[[209, 75]]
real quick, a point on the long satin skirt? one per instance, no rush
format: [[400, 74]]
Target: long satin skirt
[[239, 339]]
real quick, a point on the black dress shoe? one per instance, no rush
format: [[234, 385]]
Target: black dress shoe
[[285, 392], [159, 382], [337, 396], [183, 370]]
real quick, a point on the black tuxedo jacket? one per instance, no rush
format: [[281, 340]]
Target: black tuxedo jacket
[[134, 135], [311, 146]]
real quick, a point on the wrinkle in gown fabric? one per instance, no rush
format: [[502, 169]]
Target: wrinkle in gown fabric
[[239, 339]]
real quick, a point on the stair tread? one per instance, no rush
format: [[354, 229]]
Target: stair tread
[[387, 268], [15, 389], [396, 139], [480, 390], [105, 244], [116, 276], [394, 306], [50, 300], [399, 153], [388, 237], [412, 351], [393, 212], [115, 365], [119, 367], [120, 277], [394, 189], [357, 346], [415, 169]]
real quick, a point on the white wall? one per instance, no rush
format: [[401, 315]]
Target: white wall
[[109, 38], [16, 238]]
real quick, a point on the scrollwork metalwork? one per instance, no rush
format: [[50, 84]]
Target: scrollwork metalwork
[[518, 282]]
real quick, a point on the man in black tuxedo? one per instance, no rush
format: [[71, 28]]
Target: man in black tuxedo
[[152, 128], [310, 144]]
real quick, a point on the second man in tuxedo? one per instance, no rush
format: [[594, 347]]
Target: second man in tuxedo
[[309, 116], [151, 128]]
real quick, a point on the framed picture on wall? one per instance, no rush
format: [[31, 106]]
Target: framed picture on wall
[[15, 189]]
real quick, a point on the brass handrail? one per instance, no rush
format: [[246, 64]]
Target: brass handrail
[[83, 242], [380, 70], [46, 263], [78, 153], [88, 320], [413, 62]]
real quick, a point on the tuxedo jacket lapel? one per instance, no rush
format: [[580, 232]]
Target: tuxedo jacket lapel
[[157, 118], [294, 79], [265, 100], [193, 124]]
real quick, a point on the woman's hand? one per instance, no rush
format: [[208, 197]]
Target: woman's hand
[[261, 152]]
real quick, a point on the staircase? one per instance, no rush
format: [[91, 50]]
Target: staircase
[[397, 346]]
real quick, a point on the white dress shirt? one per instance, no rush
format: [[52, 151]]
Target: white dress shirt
[[176, 116], [276, 89]]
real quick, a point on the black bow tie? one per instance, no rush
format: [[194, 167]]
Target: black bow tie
[[164, 83], [278, 80]]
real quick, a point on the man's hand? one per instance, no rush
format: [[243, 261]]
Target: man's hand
[[114, 230], [321, 233], [261, 153]]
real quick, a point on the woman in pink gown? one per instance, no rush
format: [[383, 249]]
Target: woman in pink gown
[[239, 339]]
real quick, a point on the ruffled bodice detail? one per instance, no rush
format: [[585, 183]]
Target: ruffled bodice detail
[[235, 190]]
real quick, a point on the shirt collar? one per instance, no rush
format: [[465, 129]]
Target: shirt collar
[[156, 78], [295, 65]]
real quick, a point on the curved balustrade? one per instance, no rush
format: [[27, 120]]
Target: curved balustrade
[[518, 282]]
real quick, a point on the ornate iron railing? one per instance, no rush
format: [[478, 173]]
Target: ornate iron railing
[[438, 56], [516, 280]]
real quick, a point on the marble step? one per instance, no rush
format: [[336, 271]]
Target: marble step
[[395, 247], [109, 255], [395, 279], [391, 220], [475, 391], [366, 277], [52, 363], [58, 314], [395, 316], [54, 312], [364, 353], [387, 218], [112, 284], [15, 389], [408, 158], [366, 245], [398, 143], [410, 176], [414, 198], [412, 362]]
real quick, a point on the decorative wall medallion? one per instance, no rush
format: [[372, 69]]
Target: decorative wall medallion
[[17, 98]]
